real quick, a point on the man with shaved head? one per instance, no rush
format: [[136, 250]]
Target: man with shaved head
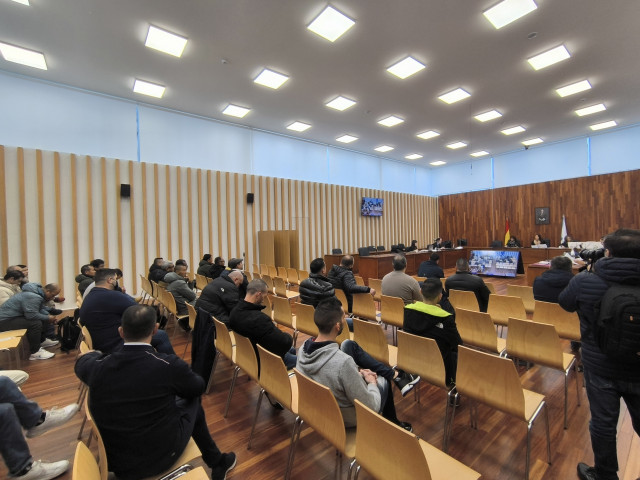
[[221, 295], [463, 279]]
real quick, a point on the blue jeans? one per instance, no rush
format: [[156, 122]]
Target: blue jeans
[[16, 413], [604, 402]]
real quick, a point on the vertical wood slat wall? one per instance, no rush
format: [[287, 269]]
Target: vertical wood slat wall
[[59, 210]]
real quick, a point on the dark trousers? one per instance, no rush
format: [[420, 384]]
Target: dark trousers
[[35, 334]]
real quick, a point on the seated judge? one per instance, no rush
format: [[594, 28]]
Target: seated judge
[[537, 240], [412, 247], [438, 243], [513, 243], [566, 241]]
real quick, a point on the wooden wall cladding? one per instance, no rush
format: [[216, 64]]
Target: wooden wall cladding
[[593, 206]]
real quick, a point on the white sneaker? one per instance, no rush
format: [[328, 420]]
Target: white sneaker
[[52, 419], [41, 354], [45, 471], [49, 343]]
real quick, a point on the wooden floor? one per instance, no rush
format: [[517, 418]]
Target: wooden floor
[[496, 449]]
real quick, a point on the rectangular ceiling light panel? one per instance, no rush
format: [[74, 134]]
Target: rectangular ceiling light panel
[[347, 139], [549, 57], [486, 116], [23, 56], [437, 163], [405, 68], [383, 148], [165, 41], [454, 96], [271, 79], [331, 24], [509, 11], [532, 141], [148, 88], [236, 111], [512, 130], [480, 153], [299, 126], [591, 110], [428, 134], [340, 103], [391, 121], [413, 156], [456, 145], [573, 88], [600, 126]]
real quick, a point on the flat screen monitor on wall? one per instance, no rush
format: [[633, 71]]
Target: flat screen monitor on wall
[[371, 207], [496, 263]]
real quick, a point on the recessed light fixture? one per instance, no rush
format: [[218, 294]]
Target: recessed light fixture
[[24, 56], [549, 57], [347, 139], [486, 116], [437, 163], [600, 126], [454, 96], [509, 11], [512, 130], [405, 68], [340, 103], [331, 24], [532, 141], [235, 110], [23, 2], [271, 79], [391, 121], [428, 134], [165, 41], [573, 88], [592, 109], [299, 126], [383, 148], [480, 153], [456, 145], [413, 156], [148, 88]]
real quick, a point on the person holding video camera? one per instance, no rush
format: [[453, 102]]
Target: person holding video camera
[[607, 297]]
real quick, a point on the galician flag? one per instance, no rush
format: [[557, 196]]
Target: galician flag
[[564, 230], [507, 233]]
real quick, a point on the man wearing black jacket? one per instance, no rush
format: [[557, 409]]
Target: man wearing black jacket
[[547, 287], [221, 295], [317, 287], [430, 268], [463, 279], [341, 276], [248, 319]]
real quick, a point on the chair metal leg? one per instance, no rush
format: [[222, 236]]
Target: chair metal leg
[[351, 465], [213, 370], [357, 474], [295, 436], [575, 369], [566, 395], [233, 384], [546, 421], [449, 429], [255, 417], [526, 467]]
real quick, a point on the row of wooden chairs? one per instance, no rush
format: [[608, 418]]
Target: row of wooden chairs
[[291, 275]]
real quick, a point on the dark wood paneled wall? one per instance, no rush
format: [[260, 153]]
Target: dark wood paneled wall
[[593, 206]]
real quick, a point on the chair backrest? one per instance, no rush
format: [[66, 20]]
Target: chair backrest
[[192, 315], [464, 299], [491, 287], [280, 287], [170, 303], [201, 281], [318, 407], [401, 458], [503, 307], [567, 324], [302, 275], [477, 329], [372, 339], [246, 356], [275, 379], [87, 337], [376, 284], [525, 292], [491, 380], [273, 271], [282, 273], [292, 276], [269, 281], [85, 466], [255, 268], [223, 339], [264, 270], [359, 280], [496, 244], [380, 248], [84, 347], [268, 303], [146, 285], [421, 355], [336, 251], [371, 248], [304, 319], [363, 251], [364, 306], [282, 312], [418, 279], [392, 310], [154, 289], [535, 342], [343, 299]]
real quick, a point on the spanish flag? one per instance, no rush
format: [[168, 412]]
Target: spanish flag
[[507, 233]]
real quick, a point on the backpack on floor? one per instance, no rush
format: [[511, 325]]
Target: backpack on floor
[[69, 331], [617, 327]]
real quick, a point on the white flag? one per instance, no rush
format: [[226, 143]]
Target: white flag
[[564, 230]]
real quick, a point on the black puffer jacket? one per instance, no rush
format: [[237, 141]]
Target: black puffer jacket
[[83, 282], [548, 286], [218, 298], [469, 282], [582, 294], [315, 288], [342, 278], [430, 269]]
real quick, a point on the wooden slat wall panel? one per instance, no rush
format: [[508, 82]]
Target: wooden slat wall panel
[[593, 206]]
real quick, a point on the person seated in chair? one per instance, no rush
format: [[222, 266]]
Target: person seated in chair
[[463, 279], [430, 268], [513, 243], [179, 287], [221, 296], [341, 276], [317, 287], [537, 240]]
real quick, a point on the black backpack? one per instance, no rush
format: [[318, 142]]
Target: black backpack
[[617, 328], [69, 331]]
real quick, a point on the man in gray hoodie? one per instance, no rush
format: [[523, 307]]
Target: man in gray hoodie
[[27, 310], [322, 360]]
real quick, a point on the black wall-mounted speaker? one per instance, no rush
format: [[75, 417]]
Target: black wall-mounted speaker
[[125, 190], [249, 197]]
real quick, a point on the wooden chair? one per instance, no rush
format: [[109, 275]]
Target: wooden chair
[[304, 320], [418, 279], [269, 281], [539, 343], [273, 271], [373, 340], [492, 288], [403, 456], [147, 291], [302, 275], [343, 299], [421, 356], [392, 313], [365, 308], [318, 407], [246, 361], [464, 299], [268, 303], [282, 273], [192, 323], [478, 330], [264, 270], [224, 346], [280, 288], [282, 315], [170, 304], [87, 337], [567, 324], [255, 269], [201, 281], [276, 381], [359, 280], [376, 284], [494, 381], [525, 292], [292, 276], [503, 307], [191, 276]]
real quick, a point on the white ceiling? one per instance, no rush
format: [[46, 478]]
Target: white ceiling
[[99, 46]]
